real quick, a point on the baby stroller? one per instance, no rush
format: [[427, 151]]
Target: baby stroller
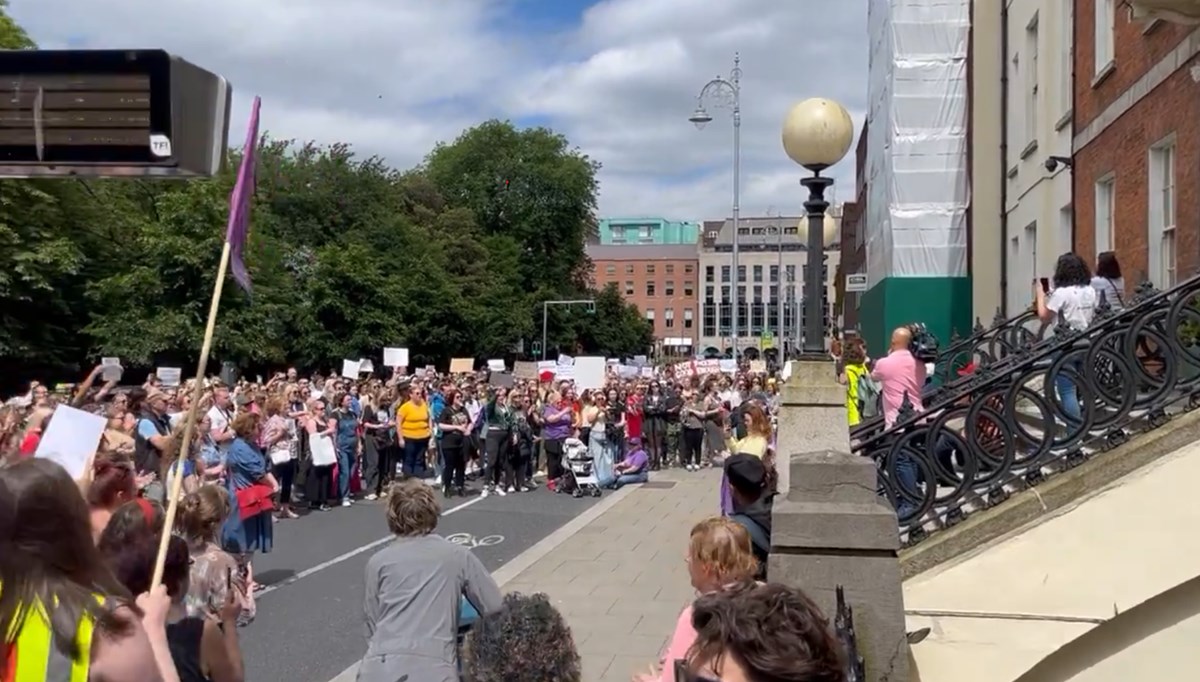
[[579, 477]]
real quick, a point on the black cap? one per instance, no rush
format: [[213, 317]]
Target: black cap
[[746, 474]]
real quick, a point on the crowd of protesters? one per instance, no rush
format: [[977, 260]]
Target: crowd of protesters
[[254, 461]]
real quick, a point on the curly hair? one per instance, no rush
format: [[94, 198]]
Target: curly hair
[[774, 631], [1071, 271], [412, 509], [527, 639]]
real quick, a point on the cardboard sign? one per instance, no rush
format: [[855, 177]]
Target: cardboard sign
[[462, 365], [525, 370]]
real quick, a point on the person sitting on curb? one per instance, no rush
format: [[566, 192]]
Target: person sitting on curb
[[752, 501], [634, 468]]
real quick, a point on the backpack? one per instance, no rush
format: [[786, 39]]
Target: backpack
[[870, 397]]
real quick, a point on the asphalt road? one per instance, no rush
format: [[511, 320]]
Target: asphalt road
[[309, 622]]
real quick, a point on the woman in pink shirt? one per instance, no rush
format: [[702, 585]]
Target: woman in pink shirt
[[720, 555], [897, 374]]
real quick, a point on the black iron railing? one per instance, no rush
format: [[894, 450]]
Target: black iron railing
[[1012, 421]]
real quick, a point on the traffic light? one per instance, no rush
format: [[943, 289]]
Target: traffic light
[[591, 308], [537, 349]]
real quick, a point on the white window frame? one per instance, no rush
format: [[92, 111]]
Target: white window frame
[[669, 317], [649, 314], [1104, 45], [1066, 229], [1066, 93], [1105, 196], [1163, 210], [1031, 79]]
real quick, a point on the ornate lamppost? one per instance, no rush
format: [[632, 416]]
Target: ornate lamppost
[[817, 133]]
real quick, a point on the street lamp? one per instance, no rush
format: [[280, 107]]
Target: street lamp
[[729, 89], [816, 134]]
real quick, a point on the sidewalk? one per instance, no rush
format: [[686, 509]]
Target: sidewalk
[[621, 580]]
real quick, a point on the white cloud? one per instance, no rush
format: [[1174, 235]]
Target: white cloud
[[392, 77]]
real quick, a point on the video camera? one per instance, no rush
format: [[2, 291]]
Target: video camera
[[924, 345]]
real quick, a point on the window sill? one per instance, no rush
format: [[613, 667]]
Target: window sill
[[1012, 172], [1029, 149], [1064, 121], [1104, 72]]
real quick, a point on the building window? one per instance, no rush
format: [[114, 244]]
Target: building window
[[725, 324], [1106, 16], [644, 234], [628, 288], [725, 274], [712, 235], [710, 320], [741, 273], [758, 230], [789, 272], [708, 294], [1066, 66], [687, 318], [1105, 197], [629, 269], [649, 268], [1162, 214], [669, 288], [618, 233], [669, 317], [688, 268], [1031, 80], [669, 268], [741, 293], [610, 270], [650, 314], [744, 231], [774, 273], [791, 230], [725, 293], [689, 289], [774, 292], [709, 274], [650, 289], [758, 273]]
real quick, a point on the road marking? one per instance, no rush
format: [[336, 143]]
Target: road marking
[[471, 542], [348, 555]]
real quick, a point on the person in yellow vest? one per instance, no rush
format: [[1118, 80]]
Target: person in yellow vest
[[63, 615]]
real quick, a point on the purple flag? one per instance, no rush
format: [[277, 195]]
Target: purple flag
[[239, 203]]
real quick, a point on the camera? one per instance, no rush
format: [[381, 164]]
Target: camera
[[924, 344]]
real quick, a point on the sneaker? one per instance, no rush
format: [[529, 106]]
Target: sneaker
[[323, 507], [485, 492], [512, 489], [529, 487], [500, 491], [346, 502], [371, 498]]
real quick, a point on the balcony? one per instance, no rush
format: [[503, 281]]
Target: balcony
[[1175, 11]]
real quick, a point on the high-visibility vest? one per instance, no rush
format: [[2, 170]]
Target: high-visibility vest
[[32, 656]]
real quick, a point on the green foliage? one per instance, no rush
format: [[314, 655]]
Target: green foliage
[[346, 255]]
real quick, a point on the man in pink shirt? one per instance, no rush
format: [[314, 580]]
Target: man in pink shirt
[[897, 374]]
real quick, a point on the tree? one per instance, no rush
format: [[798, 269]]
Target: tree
[[347, 256]]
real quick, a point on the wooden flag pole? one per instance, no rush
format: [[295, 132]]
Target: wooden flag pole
[[189, 424]]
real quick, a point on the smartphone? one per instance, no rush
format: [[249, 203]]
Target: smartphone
[[1045, 284]]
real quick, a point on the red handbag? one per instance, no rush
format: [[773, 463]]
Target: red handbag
[[255, 500]]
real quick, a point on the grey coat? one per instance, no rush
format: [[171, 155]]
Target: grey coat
[[413, 588]]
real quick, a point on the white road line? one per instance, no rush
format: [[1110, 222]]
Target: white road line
[[348, 555]]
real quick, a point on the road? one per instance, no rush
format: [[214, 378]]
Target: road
[[309, 622]]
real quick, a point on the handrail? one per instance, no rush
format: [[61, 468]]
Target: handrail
[[1006, 424]]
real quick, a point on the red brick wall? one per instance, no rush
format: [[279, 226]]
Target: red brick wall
[[1123, 148], [660, 302]]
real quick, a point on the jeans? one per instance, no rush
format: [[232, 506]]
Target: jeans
[[1064, 384], [496, 458], [414, 456], [345, 455], [626, 479], [906, 479]]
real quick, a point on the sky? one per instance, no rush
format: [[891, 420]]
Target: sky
[[617, 77]]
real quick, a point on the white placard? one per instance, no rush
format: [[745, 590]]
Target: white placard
[[565, 360], [565, 373], [323, 453], [856, 283], [640, 361], [350, 369], [496, 365], [109, 362], [111, 369], [395, 357], [544, 365], [365, 366], [169, 376], [72, 439], [590, 372]]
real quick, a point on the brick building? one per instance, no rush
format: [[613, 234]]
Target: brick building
[[853, 240], [661, 280], [1136, 109]]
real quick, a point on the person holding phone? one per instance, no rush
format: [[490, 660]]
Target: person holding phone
[[1071, 300]]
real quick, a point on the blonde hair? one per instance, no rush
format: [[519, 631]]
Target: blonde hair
[[413, 510], [724, 549]]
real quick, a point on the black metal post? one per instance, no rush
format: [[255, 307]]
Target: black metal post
[[815, 205]]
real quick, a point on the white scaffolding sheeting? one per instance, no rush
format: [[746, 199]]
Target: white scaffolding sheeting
[[917, 181]]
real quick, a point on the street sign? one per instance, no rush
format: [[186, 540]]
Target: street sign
[[110, 113], [856, 283]]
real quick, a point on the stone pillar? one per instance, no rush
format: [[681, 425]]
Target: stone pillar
[[830, 528]]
